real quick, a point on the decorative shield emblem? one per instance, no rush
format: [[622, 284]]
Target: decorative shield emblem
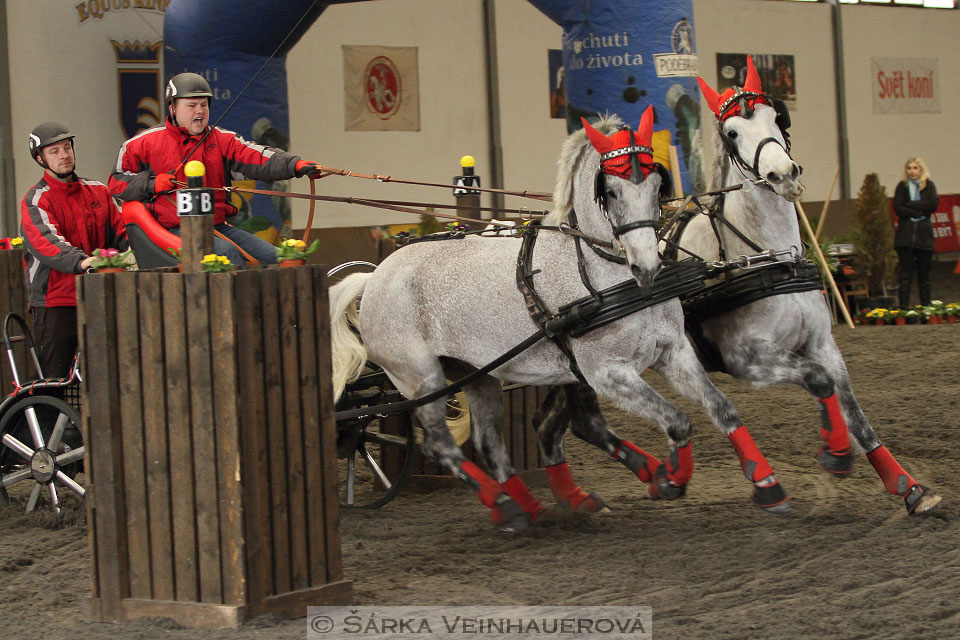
[[139, 86], [383, 84]]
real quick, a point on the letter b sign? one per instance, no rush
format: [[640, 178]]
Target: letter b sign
[[194, 202]]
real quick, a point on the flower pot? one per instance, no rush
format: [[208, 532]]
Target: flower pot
[[111, 270], [879, 322], [933, 320], [298, 262], [900, 321], [950, 318]]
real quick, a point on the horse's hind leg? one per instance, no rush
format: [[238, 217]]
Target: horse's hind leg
[[917, 498], [683, 371], [576, 405], [440, 445], [764, 363], [486, 416], [624, 386]]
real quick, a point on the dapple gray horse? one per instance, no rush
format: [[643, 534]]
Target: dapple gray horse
[[782, 338], [437, 310]]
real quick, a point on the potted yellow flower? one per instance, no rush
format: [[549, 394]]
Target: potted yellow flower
[[293, 252], [878, 315], [950, 312], [212, 263]]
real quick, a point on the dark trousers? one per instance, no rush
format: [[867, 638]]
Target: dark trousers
[[914, 261], [55, 337]]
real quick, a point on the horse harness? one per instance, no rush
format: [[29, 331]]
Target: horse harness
[[599, 308]]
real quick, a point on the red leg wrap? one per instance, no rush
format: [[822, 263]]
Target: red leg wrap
[[521, 494], [834, 428], [637, 460], [564, 489], [680, 465], [486, 488], [895, 479], [754, 465]]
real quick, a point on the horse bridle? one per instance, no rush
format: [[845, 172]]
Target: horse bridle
[[743, 98], [636, 176]]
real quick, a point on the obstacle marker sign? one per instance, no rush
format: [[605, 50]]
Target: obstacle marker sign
[[194, 202]]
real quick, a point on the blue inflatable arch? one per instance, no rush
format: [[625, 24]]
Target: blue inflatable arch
[[621, 55], [227, 44]]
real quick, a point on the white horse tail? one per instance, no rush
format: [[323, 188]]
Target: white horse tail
[[348, 353]]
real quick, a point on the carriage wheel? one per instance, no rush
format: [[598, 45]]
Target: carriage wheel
[[41, 444], [376, 459]]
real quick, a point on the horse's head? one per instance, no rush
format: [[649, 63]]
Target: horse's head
[[753, 128], [626, 188]]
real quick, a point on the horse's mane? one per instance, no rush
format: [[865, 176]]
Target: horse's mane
[[571, 155], [720, 159]]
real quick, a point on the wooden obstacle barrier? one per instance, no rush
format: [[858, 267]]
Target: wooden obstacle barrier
[[210, 445]]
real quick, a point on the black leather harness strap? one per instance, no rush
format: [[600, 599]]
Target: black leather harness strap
[[535, 305]]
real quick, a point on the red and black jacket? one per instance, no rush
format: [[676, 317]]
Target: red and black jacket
[[225, 156], [61, 224]]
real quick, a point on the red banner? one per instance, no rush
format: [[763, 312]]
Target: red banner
[[946, 223]]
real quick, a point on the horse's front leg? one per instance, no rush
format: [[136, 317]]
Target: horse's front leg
[[917, 498], [681, 368], [764, 362]]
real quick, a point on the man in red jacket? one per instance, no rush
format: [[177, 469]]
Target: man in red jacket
[[63, 219], [150, 162]]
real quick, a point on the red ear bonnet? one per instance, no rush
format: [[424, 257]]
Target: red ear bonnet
[[618, 150], [725, 105]]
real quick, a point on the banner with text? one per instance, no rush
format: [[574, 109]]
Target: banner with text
[[381, 89], [905, 85]]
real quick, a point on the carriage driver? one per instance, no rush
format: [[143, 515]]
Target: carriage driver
[[150, 162], [63, 219]]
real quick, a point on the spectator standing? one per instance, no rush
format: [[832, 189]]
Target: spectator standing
[[914, 202]]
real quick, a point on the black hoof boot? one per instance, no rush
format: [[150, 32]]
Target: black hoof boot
[[508, 515], [920, 499], [838, 463], [771, 498], [662, 488]]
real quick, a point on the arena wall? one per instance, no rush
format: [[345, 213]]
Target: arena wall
[[63, 67]]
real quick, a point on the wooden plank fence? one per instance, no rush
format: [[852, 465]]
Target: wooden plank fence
[[210, 445]]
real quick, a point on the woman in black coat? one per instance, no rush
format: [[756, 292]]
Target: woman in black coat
[[914, 201]]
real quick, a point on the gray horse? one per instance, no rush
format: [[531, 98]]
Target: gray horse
[[437, 310], [782, 338]]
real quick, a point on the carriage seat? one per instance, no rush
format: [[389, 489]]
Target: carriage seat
[[44, 384], [148, 239]]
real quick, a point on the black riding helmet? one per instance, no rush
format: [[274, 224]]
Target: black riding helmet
[[187, 85], [46, 134]]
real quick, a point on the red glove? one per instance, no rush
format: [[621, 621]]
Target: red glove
[[308, 168], [163, 182]]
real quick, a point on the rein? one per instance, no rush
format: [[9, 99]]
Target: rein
[[535, 195]]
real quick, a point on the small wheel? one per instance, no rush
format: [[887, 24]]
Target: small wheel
[[376, 459], [41, 443]]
